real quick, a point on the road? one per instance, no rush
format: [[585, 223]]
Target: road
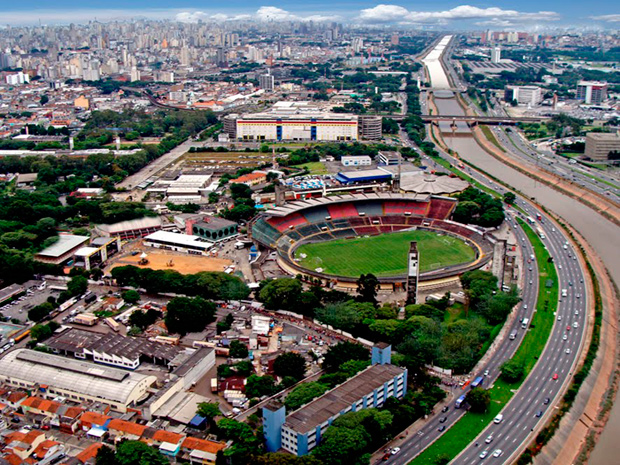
[[520, 418]]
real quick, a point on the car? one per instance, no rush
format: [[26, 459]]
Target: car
[[555, 377], [565, 337], [575, 325], [489, 439], [567, 350], [396, 450], [525, 306], [486, 372], [497, 453], [570, 283], [445, 409], [559, 317], [539, 414], [560, 267], [578, 296], [443, 420], [483, 454], [386, 456], [442, 428], [498, 419], [576, 312], [547, 400], [568, 328]]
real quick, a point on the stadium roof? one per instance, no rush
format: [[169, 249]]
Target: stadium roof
[[298, 205], [71, 375], [65, 243], [323, 408], [431, 184]]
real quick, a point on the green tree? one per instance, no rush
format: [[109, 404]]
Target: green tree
[[40, 332], [131, 297], [281, 294], [40, 311], [77, 285], [367, 288], [238, 349], [105, 456], [479, 400], [44, 99], [186, 315], [290, 364], [509, 198], [512, 370], [209, 410], [258, 386], [340, 315], [138, 453], [343, 352]]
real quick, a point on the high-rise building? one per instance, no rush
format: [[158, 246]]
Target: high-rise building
[[592, 92], [599, 145], [266, 82], [413, 275], [496, 54], [523, 95]]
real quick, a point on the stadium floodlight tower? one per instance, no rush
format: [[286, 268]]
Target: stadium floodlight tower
[[413, 273]]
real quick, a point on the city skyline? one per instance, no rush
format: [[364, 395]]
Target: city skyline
[[528, 15]]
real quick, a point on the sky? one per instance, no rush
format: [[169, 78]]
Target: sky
[[491, 14]]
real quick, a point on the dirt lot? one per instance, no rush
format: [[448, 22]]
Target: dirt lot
[[183, 263]]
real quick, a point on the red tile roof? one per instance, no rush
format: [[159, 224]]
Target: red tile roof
[[203, 445], [167, 436], [128, 427]]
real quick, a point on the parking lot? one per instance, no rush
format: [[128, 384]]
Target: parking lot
[[18, 308]]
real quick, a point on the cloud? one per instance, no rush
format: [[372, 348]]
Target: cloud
[[398, 14], [264, 13], [609, 18]]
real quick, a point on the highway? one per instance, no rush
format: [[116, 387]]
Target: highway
[[520, 414]]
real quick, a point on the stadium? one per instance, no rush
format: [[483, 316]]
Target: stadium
[[337, 238]]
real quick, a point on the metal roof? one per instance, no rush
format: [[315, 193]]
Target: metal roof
[[71, 375], [65, 243], [298, 205]]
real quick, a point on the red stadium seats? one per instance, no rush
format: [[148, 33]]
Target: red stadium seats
[[342, 210], [441, 209]]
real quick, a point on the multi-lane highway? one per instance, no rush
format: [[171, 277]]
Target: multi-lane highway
[[535, 399]]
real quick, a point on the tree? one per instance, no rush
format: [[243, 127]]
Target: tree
[[238, 349], [340, 315], [303, 394], [258, 386], [138, 453], [209, 410], [512, 370], [40, 332], [105, 456], [40, 311], [281, 294], [478, 399], [185, 315], [367, 288], [131, 296], [290, 364], [341, 353], [214, 197], [44, 99], [77, 285], [509, 198]]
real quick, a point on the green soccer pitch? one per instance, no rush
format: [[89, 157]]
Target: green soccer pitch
[[384, 255]]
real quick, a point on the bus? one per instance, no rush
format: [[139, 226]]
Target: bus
[[112, 324], [460, 401], [540, 232], [477, 382], [530, 220]]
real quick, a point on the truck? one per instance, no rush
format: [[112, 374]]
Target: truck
[[525, 322], [564, 293], [477, 382], [112, 324], [530, 220], [460, 401], [540, 232], [538, 216]]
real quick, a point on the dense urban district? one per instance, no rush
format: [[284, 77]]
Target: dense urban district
[[306, 243]]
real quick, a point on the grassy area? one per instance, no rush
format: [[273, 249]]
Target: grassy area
[[491, 137], [384, 255], [472, 424], [313, 167], [570, 154], [454, 313]]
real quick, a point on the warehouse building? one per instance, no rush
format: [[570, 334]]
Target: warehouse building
[[52, 376], [185, 243], [299, 432], [62, 250], [130, 229]]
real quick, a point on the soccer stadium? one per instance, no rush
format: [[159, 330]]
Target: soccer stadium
[[337, 238]]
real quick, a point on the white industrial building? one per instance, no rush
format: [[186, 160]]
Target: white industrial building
[[178, 242], [294, 121], [52, 376], [524, 95]]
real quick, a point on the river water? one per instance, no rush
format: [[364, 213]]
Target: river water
[[601, 233]]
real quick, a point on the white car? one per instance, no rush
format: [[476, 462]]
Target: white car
[[565, 337], [567, 351], [559, 317], [483, 454], [497, 453], [396, 450], [489, 439], [575, 325]]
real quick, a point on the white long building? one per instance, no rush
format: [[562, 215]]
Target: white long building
[[294, 121]]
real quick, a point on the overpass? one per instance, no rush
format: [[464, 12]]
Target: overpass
[[492, 120]]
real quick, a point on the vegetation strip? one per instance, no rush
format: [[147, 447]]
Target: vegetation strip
[[472, 424]]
